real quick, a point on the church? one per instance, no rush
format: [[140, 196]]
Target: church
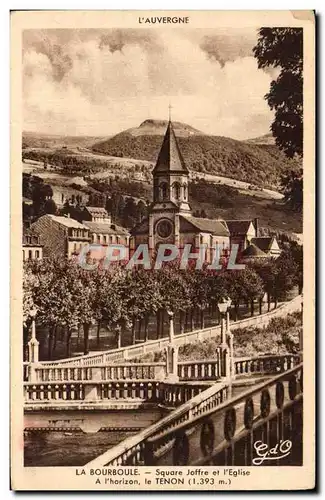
[[170, 218]]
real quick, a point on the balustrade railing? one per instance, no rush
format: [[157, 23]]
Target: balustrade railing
[[207, 429], [265, 364], [169, 395], [131, 351], [209, 369], [134, 450], [125, 371]]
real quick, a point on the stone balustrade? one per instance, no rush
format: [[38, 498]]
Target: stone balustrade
[[132, 351], [211, 429], [125, 371], [134, 450], [209, 369], [170, 395], [265, 364]]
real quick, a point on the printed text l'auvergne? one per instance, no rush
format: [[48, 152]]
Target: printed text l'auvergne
[[164, 20]]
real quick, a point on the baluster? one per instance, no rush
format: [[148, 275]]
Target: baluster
[[49, 392], [56, 392], [64, 391], [72, 392], [41, 394]]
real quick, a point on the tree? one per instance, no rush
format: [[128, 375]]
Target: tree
[[292, 186], [283, 48]]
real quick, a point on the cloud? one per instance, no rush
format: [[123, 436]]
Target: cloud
[[98, 82]]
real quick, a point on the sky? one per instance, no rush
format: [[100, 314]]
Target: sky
[[100, 82]]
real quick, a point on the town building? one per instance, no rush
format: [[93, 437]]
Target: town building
[[242, 232], [96, 214], [32, 248], [170, 218], [102, 231], [61, 236], [262, 247]]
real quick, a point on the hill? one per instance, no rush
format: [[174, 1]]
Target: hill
[[263, 139], [260, 164], [47, 141]]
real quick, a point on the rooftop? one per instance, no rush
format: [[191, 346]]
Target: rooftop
[[105, 228], [100, 211], [213, 226], [253, 251], [263, 243], [238, 226], [67, 221]]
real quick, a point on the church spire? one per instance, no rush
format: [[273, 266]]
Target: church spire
[[170, 158]]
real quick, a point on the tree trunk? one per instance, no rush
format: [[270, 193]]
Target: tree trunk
[[86, 327], [78, 339], [55, 338], [146, 329], [236, 311], [181, 321], [252, 307], [275, 302], [161, 325], [158, 324], [139, 329], [260, 305], [133, 330], [268, 302], [119, 337], [202, 319], [192, 320], [68, 344], [50, 343], [98, 333]]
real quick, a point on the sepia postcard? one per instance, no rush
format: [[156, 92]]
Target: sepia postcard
[[162, 250]]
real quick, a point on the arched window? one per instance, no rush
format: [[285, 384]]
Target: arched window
[[163, 188], [185, 191], [177, 191]]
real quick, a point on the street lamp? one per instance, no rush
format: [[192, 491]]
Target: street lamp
[[223, 307], [33, 344], [227, 349]]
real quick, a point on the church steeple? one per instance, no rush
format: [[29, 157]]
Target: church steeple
[[171, 176], [170, 158]]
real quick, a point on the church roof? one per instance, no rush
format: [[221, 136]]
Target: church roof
[[263, 243], [170, 158], [238, 226], [253, 251], [212, 226]]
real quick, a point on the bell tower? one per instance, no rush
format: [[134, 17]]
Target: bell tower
[[170, 192]]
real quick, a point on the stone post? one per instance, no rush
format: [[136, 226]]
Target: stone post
[[172, 363], [231, 355], [33, 353], [223, 333], [91, 390], [227, 322], [171, 326]]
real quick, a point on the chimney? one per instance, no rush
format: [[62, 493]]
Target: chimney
[[256, 226]]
